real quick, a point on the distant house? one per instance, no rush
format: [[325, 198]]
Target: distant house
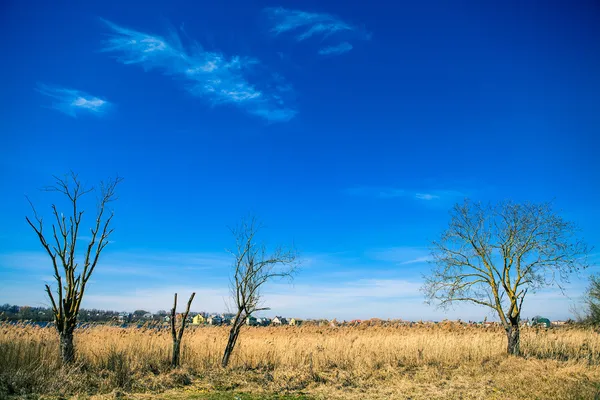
[[279, 321], [540, 321], [295, 322], [559, 323], [198, 320], [148, 316], [251, 321], [264, 321], [214, 320], [124, 317]]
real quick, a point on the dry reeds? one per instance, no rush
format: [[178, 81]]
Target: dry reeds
[[323, 360]]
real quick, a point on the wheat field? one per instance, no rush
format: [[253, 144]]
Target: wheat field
[[359, 362]]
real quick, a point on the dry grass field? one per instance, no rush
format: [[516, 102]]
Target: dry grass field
[[443, 361]]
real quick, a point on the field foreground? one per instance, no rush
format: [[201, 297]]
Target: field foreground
[[443, 361]]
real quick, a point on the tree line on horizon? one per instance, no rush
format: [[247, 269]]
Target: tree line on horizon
[[491, 255], [13, 312], [10, 312]]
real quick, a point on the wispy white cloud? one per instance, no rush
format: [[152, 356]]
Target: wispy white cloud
[[305, 25], [401, 255], [160, 298], [372, 191], [393, 298], [24, 260], [206, 74], [362, 298], [336, 50], [147, 280], [418, 260], [392, 192], [73, 102], [426, 196], [133, 263]]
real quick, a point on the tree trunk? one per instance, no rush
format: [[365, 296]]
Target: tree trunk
[[233, 335], [512, 333], [67, 349], [176, 350], [178, 336]]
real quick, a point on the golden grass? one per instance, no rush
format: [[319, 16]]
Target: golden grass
[[441, 361]]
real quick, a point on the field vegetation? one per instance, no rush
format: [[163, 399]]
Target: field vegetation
[[378, 360]]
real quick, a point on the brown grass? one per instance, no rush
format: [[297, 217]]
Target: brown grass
[[441, 361]]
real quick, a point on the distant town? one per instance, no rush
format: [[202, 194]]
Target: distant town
[[44, 316]]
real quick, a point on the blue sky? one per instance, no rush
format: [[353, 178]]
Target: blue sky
[[349, 128]]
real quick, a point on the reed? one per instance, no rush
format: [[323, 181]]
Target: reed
[[445, 359]]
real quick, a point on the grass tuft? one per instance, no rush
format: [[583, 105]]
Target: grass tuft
[[425, 361]]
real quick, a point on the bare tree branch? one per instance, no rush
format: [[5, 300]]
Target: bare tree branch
[[494, 255], [65, 235], [253, 267]]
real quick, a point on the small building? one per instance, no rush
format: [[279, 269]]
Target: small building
[[264, 321], [295, 322], [540, 321], [198, 320], [251, 321], [148, 316], [214, 320], [124, 317], [279, 321]]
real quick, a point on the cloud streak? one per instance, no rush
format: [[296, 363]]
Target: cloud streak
[[336, 50], [73, 102], [210, 75], [402, 255], [391, 192], [426, 196], [147, 280], [306, 25]]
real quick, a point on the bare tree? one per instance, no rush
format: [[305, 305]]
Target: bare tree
[[494, 255], [592, 301], [61, 246], [177, 336], [253, 267]]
